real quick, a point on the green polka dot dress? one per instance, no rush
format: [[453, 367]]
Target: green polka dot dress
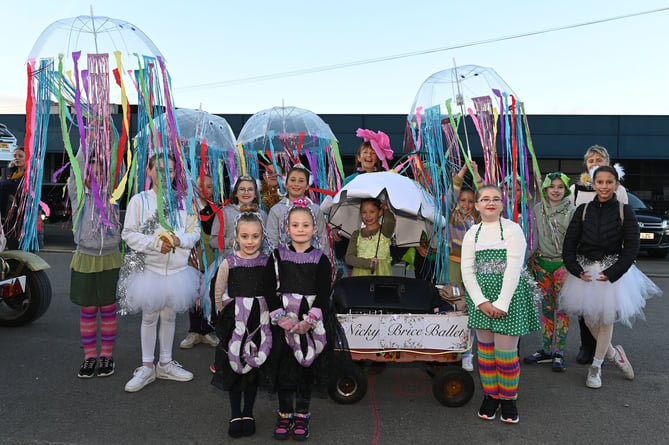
[[522, 316]]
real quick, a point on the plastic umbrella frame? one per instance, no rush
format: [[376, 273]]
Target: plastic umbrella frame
[[413, 207]]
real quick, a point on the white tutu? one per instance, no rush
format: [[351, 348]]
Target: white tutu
[[604, 302], [148, 291]]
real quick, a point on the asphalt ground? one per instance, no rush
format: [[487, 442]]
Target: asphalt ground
[[43, 402]]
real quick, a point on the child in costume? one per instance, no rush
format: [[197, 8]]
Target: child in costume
[[302, 344], [297, 184], [156, 278], [95, 267], [550, 225], [581, 193], [369, 250], [199, 329], [604, 285], [499, 302], [245, 277]]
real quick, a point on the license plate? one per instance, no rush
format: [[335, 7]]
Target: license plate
[[647, 235], [3, 145]]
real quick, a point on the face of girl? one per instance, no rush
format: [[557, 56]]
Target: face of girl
[[370, 215], [595, 160], [605, 185], [153, 173], [300, 229], [206, 191], [246, 192], [489, 204], [19, 158], [297, 185], [555, 192], [368, 159], [249, 238], [466, 202]]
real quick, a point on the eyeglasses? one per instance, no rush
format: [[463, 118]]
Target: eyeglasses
[[488, 201]]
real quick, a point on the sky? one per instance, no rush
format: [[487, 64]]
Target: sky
[[216, 50]]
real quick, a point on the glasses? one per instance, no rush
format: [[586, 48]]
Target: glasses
[[488, 201]]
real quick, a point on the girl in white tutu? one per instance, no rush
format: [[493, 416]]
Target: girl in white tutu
[[155, 278], [604, 285]]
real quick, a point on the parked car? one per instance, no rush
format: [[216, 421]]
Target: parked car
[[654, 229], [7, 143]]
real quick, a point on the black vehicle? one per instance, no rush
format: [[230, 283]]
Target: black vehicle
[[654, 229]]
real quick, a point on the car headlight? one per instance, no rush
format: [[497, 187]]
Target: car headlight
[[665, 224]]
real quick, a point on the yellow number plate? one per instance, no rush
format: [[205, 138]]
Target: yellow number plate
[[646, 235]]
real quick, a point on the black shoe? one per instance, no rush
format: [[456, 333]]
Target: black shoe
[[106, 367], [301, 426], [284, 423], [538, 357], [585, 356], [558, 364], [248, 426], [235, 428], [488, 408], [509, 412], [87, 369]]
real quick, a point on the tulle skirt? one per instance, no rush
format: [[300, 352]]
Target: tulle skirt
[[605, 302], [148, 291]]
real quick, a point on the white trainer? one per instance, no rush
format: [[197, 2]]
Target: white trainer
[[468, 361], [141, 377], [594, 379], [210, 339], [620, 360], [173, 371], [191, 340]]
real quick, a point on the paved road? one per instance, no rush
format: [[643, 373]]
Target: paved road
[[42, 401]]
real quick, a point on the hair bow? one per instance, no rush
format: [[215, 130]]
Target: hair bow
[[380, 143]]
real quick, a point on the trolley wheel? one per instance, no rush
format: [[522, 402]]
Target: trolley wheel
[[453, 386], [349, 387]]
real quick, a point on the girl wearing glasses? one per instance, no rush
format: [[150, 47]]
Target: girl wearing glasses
[[499, 302]]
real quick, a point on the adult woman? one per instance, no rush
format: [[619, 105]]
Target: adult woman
[[499, 301], [9, 199], [599, 250]]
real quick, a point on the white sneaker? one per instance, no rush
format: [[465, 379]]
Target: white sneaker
[[620, 360], [594, 379], [467, 362], [210, 339], [191, 340], [173, 371], [141, 377]]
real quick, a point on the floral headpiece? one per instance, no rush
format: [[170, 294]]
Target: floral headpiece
[[380, 143]]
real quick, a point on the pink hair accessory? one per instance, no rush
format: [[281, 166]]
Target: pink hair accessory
[[380, 143], [301, 202]]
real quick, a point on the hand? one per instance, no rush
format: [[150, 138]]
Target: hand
[[585, 277], [301, 327], [491, 311], [219, 305], [373, 263], [285, 322], [335, 235], [602, 277], [422, 251], [165, 247]]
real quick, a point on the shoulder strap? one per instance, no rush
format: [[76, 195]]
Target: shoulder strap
[[584, 210], [622, 212]]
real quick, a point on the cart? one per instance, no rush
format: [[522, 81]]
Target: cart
[[400, 320]]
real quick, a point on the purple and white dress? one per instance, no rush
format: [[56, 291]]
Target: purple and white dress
[[243, 325]]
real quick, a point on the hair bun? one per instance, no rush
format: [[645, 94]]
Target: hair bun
[[248, 208]]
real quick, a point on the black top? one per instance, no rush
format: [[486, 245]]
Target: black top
[[251, 277], [602, 233]]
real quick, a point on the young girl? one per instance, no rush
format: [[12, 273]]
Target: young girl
[[604, 285], [244, 193], [546, 265], [95, 266], [581, 193], [300, 316], [244, 279], [499, 302], [297, 184], [155, 278], [369, 250]]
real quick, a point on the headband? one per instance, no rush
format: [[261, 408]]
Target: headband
[[557, 175]]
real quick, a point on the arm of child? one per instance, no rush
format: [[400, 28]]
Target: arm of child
[[221, 284], [322, 230], [189, 235], [515, 259], [571, 241], [631, 243], [352, 258], [272, 227], [132, 234], [468, 268], [215, 231]]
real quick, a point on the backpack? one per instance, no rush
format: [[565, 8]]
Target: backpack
[[621, 207]]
